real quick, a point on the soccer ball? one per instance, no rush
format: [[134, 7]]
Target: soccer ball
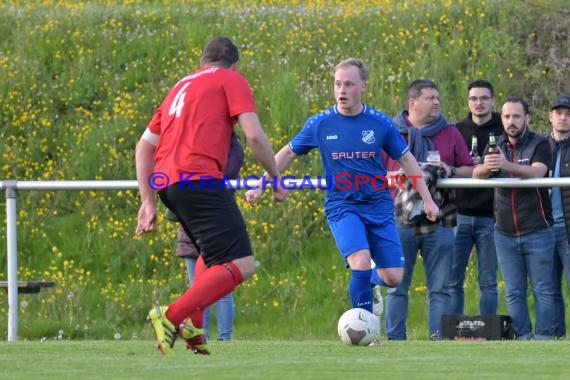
[[358, 327]]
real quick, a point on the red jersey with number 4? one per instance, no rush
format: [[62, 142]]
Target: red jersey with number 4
[[195, 123]]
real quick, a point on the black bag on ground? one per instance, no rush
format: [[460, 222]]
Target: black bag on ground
[[484, 327]]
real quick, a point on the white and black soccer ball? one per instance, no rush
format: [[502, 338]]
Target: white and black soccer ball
[[358, 327]]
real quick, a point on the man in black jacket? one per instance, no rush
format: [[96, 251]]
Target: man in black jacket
[[523, 233], [475, 219], [560, 120]]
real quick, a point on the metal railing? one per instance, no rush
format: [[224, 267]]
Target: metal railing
[[13, 186]]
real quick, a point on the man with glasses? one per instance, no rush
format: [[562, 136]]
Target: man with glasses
[[475, 220]]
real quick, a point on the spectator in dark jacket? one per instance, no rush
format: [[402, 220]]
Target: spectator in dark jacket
[[560, 197], [475, 219], [523, 233]]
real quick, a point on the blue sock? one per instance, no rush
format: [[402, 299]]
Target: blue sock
[[376, 279], [359, 289]]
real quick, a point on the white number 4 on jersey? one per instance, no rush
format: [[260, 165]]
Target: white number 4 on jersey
[[178, 102]]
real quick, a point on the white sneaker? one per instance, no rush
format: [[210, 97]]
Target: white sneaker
[[378, 301]]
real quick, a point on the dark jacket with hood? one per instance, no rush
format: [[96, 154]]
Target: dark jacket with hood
[[477, 202]]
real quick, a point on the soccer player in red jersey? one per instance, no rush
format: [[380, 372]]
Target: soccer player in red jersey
[[187, 141]]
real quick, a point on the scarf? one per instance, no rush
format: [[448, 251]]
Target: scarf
[[419, 139]]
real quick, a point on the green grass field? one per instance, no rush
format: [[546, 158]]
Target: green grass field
[[286, 360]]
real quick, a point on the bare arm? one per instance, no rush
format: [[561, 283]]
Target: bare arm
[[410, 166], [535, 170], [144, 155], [464, 171], [460, 171], [284, 158], [481, 171]]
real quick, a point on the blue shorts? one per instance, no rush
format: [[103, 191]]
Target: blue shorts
[[356, 231]]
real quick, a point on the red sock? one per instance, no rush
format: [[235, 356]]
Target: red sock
[[214, 283], [200, 267]]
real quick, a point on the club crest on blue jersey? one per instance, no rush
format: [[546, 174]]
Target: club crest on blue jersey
[[368, 136]]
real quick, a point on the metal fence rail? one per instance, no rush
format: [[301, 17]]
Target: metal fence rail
[[13, 186]]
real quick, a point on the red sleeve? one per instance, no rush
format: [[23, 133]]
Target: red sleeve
[[239, 95], [462, 156], [154, 124]]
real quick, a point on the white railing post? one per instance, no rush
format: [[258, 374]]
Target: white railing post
[[12, 245]]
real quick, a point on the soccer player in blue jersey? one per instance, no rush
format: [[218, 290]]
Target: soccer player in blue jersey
[[350, 137]]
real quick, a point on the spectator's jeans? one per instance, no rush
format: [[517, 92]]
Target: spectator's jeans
[[478, 231], [561, 265], [528, 255], [224, 308], [436, 249]]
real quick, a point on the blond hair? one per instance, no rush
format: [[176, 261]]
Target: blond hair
[[356, 62]]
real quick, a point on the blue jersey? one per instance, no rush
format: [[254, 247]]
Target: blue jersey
[[351, 146]]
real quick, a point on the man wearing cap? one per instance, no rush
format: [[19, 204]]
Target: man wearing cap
[[560, 196]]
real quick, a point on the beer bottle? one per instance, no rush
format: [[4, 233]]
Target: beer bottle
[[474, 150], [493, 149]]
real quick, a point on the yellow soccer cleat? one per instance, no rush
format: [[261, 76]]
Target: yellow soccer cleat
[[166, 332], [195, 338]]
